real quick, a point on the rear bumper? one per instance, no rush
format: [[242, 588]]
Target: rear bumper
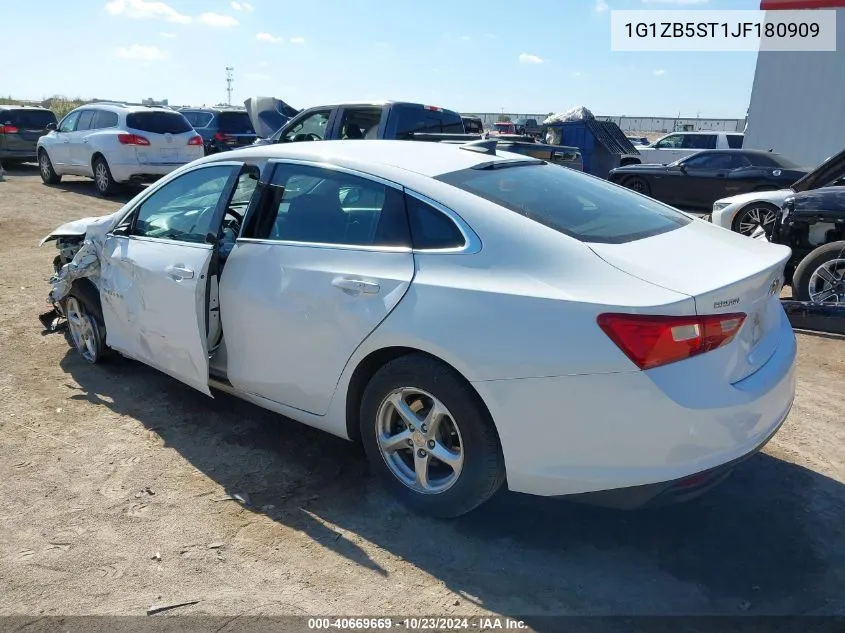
[[138, 172], [29, 154], [579, 434]]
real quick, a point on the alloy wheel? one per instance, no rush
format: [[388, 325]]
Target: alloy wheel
[[101, 176], [419, 440], [756, 217], [82, 330], [44, 164], [827, 283]]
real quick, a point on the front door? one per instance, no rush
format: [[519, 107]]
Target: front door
[[155, 273], [59, 149], [322, 261]]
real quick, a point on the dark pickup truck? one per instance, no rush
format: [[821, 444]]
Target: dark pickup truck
[[529, 127], [404, 121]]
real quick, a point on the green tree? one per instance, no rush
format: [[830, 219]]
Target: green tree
[[503, 118]]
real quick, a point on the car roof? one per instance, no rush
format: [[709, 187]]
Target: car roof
[[212, 109], [9, 106], [378, 157], [120, 107], [753, 152]]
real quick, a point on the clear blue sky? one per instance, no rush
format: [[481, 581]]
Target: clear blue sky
[[468, 55]]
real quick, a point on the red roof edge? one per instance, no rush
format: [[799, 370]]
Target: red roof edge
[[774, 5]]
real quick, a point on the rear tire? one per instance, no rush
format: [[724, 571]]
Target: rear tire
[[45, 168], [639, 185], [103, 181], [820, 277], [463, 434]]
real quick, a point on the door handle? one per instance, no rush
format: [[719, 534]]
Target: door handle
[[179, 272], [355, 286]]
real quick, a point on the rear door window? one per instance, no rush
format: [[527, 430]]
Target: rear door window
[[699, 141], [158, 122], [411, 119], [568, 201], [431, 228], [85, 120], [235, 123], [360, 123]]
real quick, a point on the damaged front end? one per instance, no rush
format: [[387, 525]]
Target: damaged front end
[[79, 244]]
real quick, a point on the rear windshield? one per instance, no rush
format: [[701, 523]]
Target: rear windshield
[[773, 160], [28, 119], [735, 141], [235, 123], [418, 119], [158, 122], [586, 208]]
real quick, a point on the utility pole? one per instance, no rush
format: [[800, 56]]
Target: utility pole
[[229, 81]]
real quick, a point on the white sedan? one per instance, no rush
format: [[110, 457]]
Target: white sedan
[[746, 212], [470, 317]]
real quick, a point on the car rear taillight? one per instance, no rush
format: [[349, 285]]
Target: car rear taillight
[[219, 136], [650, 340], [195, 140], [433, 108], [8, 129], [132, 139]]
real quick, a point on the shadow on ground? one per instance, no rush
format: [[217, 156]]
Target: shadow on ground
[[769, 540], [72, 184]]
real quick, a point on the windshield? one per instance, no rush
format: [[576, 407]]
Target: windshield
[[583, 207]]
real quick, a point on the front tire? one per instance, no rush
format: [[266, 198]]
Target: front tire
[[754, 215], [429, 437], [85, 328], [45, 168], [103, 181], [820, 277]]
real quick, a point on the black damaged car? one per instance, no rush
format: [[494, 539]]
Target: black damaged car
[[697, 181], [812, 224]]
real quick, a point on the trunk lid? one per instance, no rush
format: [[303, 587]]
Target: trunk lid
[[724, 273], [168, 133], [30, 125]]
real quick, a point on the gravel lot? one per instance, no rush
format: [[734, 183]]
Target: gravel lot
[[116, 486]]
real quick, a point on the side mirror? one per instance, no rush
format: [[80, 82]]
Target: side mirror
[[683, 168], [52, 127]]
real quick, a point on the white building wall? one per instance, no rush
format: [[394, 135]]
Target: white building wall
[[798, 102]]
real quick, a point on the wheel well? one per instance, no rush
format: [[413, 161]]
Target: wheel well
[[94, 157], [367, 368], [629, 161]]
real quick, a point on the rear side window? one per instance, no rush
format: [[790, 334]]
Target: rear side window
[[735, 141], [234, 123], [158, 122], [430, 228], [418, 119], [575, 204], [28, 119], [104, 119]]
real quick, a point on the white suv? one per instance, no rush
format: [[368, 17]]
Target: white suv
[[117, 143], [679, 145]]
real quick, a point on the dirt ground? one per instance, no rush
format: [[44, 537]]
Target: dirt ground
[[117, 486]]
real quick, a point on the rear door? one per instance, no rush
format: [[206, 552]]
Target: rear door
[[155, 272], [320, 265], [167, 134], [23, 128], [706, 179]]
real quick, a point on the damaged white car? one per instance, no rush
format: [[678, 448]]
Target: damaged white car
[[470, 317]]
